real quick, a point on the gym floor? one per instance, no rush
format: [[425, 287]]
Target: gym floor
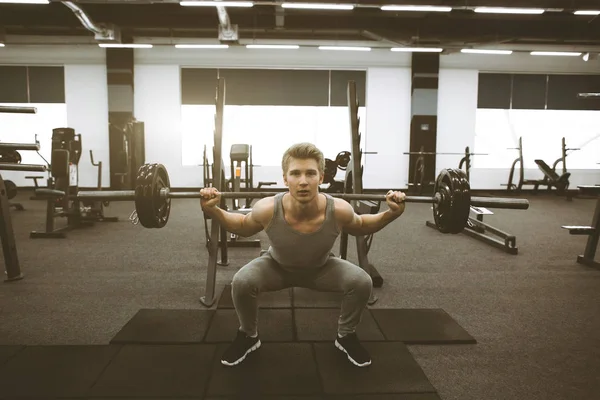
[[535, 316]]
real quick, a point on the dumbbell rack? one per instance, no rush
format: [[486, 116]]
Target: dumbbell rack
[[353, 184], [7, 234]]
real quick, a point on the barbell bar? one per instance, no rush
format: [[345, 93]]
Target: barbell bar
[[429, 153], [18, 110], [23, 167], [19, 146], [451, 200], [166, 193], [588, 95]]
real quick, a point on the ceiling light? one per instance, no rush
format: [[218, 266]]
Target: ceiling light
[[587, 12], [418, 49], [417, 8], [273, 46], [482, 51], [125, 45], [316, 6], [555, 53], [344, 48], [202, 46], [509, 10], [25, 1], [1, 44], [216, 3]]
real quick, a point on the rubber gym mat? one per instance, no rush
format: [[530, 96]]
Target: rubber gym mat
[[421, 326], [308, 298], [6, 352], [262, 397], [273, 369], [165, 327], [393, 370], [278, 299], [400, 396], [273, 326], [155, 371], [45, 371], [320, 324]]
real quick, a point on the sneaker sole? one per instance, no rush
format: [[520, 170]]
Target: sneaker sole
[[339, 346], [242, 358]]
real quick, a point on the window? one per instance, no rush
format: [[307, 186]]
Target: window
[[269, 129], [542, 132]]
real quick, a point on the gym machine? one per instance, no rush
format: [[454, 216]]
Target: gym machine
[[127, 152], [63, 186], [7, 234], [239, 154], [551, 178], [331, 168], [241, 159], [242, 154], [418, 182], [9, 155]]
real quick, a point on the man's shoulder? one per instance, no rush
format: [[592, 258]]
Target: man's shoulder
[[264, 203], [262, 210], [343, 209]]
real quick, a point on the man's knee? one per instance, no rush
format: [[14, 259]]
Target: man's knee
[[244, 282], [360, 281]]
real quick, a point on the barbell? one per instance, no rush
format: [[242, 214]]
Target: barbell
[[451, 200], [432, 153]]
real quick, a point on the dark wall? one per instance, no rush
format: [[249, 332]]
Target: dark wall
[[274, 87], [24, 84], [537, 91]]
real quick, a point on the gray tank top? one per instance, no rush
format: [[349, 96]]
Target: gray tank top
[[297, 250]]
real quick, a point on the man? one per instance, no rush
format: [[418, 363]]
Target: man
[[302, 226]]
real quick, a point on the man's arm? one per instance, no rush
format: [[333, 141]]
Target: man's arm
[[362, 225], [242, 225]]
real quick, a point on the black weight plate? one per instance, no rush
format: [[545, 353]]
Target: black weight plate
[[343, 159], [10, 157], [149, 188], [463, 209], [162, 206], [11, 189], [456, 223], [441, 209], [141, 201]]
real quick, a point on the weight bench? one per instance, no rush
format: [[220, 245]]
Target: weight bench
[[551, 178], [35, 184], [50, 195], [592, 231]]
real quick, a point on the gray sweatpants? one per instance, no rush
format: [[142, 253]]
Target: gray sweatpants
[[264, 274]]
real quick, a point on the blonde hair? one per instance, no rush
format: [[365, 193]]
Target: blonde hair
[[303, 151]]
